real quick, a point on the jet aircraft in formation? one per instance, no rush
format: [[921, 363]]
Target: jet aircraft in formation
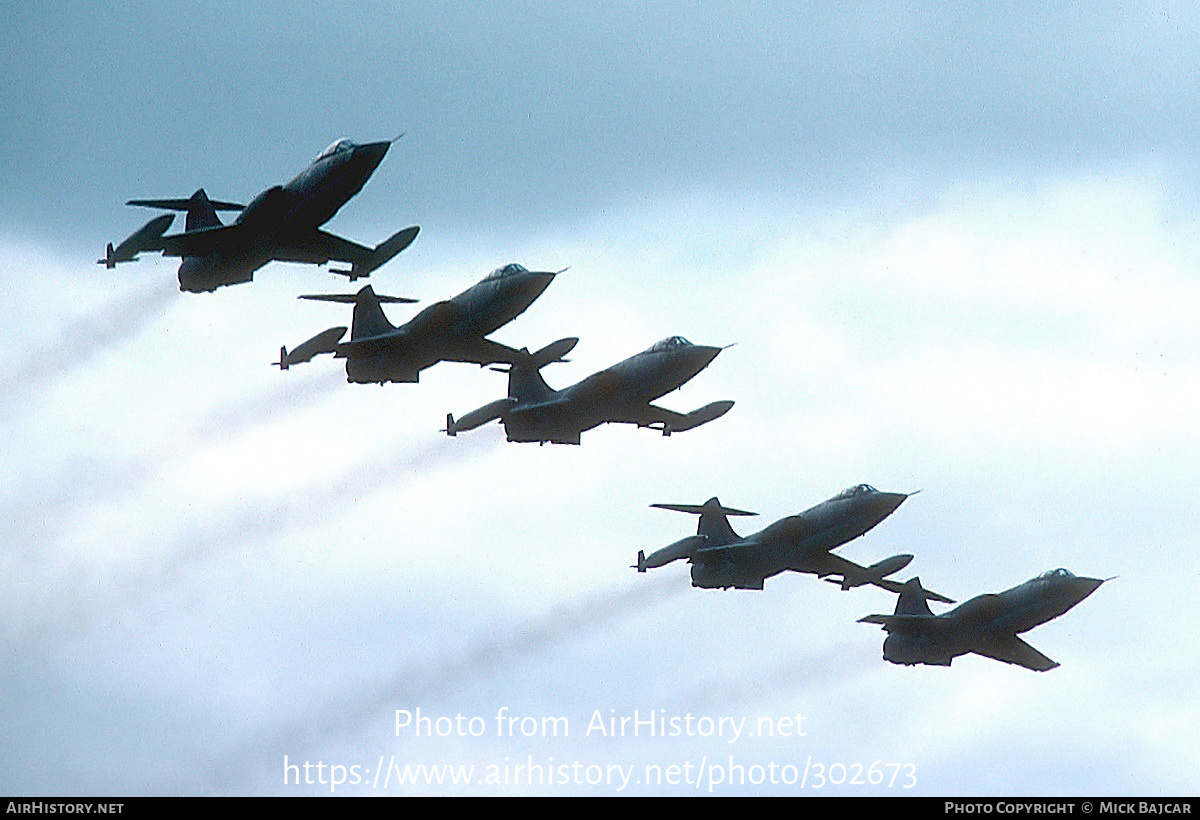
[[283, 223], [721, 558], [621, 394], [280, 224], [454, 330], [987, 625]]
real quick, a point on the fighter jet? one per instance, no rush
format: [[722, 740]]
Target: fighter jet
[[621, 394], [721, 558], [987, 625], [282, 223], [454, 330]]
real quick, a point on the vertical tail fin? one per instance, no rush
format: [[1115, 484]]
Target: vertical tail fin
[[913, 600], [368, 315], [201, 213], [369, 319], [525, 382], [714, 521]]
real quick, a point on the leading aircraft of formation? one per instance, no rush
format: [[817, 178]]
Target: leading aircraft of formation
[[988, 625], [283, 223]]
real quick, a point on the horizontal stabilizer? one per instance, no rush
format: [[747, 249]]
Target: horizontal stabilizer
[[184, 204], [711, 506], [383, 253], [352, 298], [324, 342], [899, 588]]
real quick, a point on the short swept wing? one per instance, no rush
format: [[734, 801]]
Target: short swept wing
[[669, 421], [314, 247], [827, 563], [320, 247], [1015, 651], [225, 239]]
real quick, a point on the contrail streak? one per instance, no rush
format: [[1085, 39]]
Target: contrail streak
[[81, 340], [41, 514], [831, 664], [430, 677], [221, 533]]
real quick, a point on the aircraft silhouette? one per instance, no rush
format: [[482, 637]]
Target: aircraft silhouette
[[721, 558], [454, 330], [987, 625], [280, 224], [621, 394]]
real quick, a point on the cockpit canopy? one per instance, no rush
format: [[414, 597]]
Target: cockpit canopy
[[858, 489], [1056, 573], [511, 269], [341, 145], [669, 343]]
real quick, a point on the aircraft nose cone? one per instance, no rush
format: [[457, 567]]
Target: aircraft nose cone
[[370, 154], [888, 502], [1086, 586], [533, 283], [704, 354], [693, 359], [542, 278]]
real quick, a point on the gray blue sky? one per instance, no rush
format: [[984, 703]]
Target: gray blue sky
[[957, 251]]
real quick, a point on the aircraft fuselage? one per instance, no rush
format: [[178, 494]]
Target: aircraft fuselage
[[452, 330], [800, 543], [619, 393], [318, 192], [492, 303], [648, 375]]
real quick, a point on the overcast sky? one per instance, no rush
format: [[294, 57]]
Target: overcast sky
[[957, 250]]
